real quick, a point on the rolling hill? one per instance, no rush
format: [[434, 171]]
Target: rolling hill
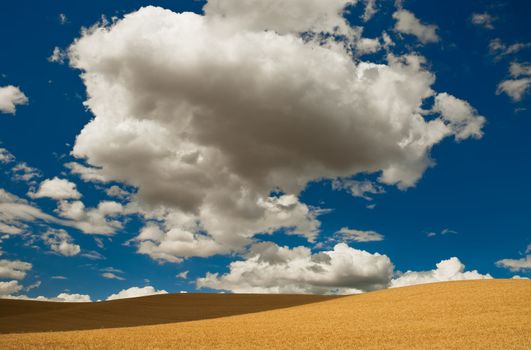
[[486, 314], [40, 316]]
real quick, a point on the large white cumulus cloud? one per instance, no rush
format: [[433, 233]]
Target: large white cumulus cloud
[[207, 115], [269, 268]]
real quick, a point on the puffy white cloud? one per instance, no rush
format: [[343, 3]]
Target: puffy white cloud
[[514, 88], [61, 242], [269, 268], [407, 23], [516, 277], [6, 156], [366, 46], [522, 264], [16, 212], [99, 220], [517, 87], [14, 269], [518, 69], [8, 288], [348, 234], [446, 270], [460, 116], [188, 112], [484, 20], [183, 236], [73, 298], [134, 292], [10, 97], [56, 188]]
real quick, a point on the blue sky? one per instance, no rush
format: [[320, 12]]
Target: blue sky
[[471, 204]]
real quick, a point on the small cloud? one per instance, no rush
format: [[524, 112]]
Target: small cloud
[[483, 19], [24, 173], [515, 265], [111, 269], [370, 10], [14, 269], [10, 97], [58, 56], [443, 232], [6, 156], [93, 255], [134, 292], [448, 231], [517, 277], [112, 276], [361, 189], [61, 242], [347, 235], [33, 286], [99, 242], [56, 188], [407, 23], [59, 278], [499, 49], [63, 19], [518, 87], [183, 275]]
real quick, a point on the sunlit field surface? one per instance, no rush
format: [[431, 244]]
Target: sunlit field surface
[[488, 314]]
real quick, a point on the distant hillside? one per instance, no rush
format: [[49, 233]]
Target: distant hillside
[[42, 316], [486, 314]]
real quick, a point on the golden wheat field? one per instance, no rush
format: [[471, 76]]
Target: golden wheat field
[[493, 314]]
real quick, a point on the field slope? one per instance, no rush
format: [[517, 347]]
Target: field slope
[[488, 314], [18, 316]]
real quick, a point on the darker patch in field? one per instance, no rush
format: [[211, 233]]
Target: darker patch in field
[[17, 316]]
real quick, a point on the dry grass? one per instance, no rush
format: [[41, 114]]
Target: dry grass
[[492, 314]]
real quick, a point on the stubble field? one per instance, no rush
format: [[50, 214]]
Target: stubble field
[[487, 314]]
